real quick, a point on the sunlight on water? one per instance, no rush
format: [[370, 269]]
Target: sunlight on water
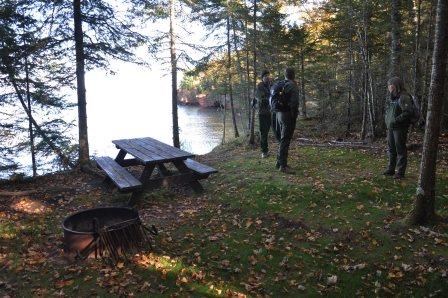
[[136, 102]]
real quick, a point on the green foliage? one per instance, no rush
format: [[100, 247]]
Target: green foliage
[[345, 43], [37, 62]]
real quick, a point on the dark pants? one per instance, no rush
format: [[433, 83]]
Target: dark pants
[[276, 127], [285, 122], [294, 115], [265, 124], [398, 153]]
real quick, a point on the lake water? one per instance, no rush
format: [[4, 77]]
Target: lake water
[[201, 129], [136, 102]]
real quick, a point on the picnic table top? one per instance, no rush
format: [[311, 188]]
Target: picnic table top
[[148, 150]]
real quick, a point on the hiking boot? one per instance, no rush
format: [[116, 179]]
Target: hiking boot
[[265, 155], [286, 170], [388, 173], [398, 176]]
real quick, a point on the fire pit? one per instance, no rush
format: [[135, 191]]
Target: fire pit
[[105, 231]]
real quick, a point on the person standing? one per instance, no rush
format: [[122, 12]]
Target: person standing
[[264, 111], [399, 110], [287, 119]]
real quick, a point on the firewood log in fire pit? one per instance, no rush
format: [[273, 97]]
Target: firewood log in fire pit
[[111, 232]]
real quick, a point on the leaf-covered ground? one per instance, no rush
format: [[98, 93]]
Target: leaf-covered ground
[[332, 228]]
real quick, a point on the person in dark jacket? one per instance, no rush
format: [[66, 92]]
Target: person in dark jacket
[[264, 111], [287, 120], [399, 110]]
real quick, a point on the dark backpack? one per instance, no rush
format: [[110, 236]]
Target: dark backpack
[[278, 99], [416, 111]]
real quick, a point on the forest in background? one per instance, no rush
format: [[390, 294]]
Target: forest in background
[[343, 52]]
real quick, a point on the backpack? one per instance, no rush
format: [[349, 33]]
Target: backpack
[[278, 99], [416, 111]]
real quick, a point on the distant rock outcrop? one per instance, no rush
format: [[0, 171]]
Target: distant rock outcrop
[[194, 98]]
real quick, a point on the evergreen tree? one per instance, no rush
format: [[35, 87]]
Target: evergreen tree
[[90, 33], [33, 76]]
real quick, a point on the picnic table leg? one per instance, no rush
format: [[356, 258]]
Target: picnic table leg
[[197, 187], [163, 170], [120, 156], [144, 178]]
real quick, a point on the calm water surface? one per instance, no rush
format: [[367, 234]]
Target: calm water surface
[[137, 103], [201, 130]]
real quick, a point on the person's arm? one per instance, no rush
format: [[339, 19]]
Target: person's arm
[[261, 93], [258, 96], [405, 103], [295, 96]]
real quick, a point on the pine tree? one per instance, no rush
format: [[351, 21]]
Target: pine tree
[[33, 76]]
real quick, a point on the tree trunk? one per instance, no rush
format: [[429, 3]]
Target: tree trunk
[[252, 118], [395, 61], [248, 85], [65, 160], [368, 121], [173, 60], [241, 75], [350, 70], [302, 80], [350, 83], [427, 68], [229, 75], [371, 98], [364, 109], [423, 210], [417, 70], [224, 120], [30, 123], [81, 86]]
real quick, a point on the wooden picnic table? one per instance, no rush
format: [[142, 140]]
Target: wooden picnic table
[[151, 154]]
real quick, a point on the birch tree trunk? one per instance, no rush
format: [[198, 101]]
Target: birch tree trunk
[[423, 209], [80, 84], [173, 58]]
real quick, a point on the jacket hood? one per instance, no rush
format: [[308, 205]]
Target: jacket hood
[[399, 86]]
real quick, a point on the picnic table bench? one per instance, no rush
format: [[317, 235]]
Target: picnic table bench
[[151, 153]]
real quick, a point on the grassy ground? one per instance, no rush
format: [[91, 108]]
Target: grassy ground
[[333, 228]]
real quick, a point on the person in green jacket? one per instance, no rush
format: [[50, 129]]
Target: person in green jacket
[[287, 120], [399, 111], [262, 94]]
